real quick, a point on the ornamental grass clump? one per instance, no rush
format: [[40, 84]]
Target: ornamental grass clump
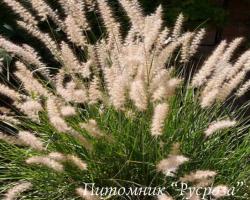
[[117, 112]]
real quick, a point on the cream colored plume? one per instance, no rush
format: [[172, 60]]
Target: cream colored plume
[[201, 178], [178, 26], [74, 32], [45, 161], [25, 53], [77, 162], [31, 108], [95, 93], [164, 197], [9, 92], [138, 94], [159, 117], [118, 92], [196, 41], [30, 83], [16, 191], [243, 89], [45, 11], [86, 194], [92, 128], [170, 165], [31, 140], [208, 67], [111, 24], [72, 159], [9, 139], [219, 125], [21, 11], [67, 111], [43, 37], [220, 191], [134, 12]]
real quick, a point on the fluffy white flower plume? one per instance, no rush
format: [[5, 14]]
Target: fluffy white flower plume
[[171, 164], [209, 66], [9, 119], [55, 117], [199, 176], [86, 194], [16, 191], [22, 11], [164, 197], [228, 87], [112, 26], [67, 111], [30, 84], [178, 26], [76, 10], [9, 139], [185, 49], [159, 116], [153, 25], [134, 12], [9, 92], [196, 41], [92, 128], [77, 161], [239, 65], [118, 92], [31, 108], [60, 124], [70, 92], [159, 79], [138, 94], [31, 140], [57, 156], [219, 125], [166, 90], [231, 48], [72, 159], [74, 32], [43, 37], [209, 98], [243, 89], [25, 53], [69, 59], [46, 161], [95, 93], [45, 11], [220, 191]]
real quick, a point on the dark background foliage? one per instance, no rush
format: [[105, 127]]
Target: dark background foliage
[[196, 11]]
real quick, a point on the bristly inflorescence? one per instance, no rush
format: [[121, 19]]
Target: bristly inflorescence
[[72, 120]]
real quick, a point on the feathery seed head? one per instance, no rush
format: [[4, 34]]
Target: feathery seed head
[[31, 140], [15, 192], [171, 164], [220, 191], [219, 125], [159, 117], [46, 161]]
